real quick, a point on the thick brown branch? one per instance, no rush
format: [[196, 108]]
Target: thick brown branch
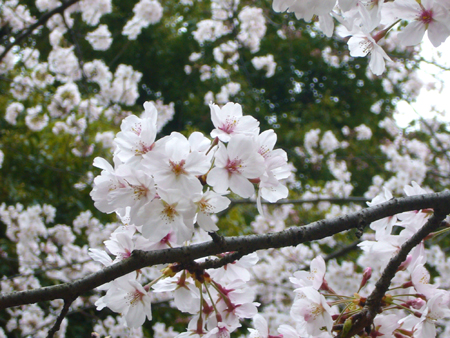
[[42, 20], [243, 244]]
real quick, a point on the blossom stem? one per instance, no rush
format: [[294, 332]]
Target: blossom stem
[[149, 285], [212, 300]]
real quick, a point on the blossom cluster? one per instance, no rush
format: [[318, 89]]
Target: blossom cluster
[[158, 188], [367, 22]]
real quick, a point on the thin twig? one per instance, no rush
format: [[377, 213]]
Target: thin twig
[[62, 315], [42, 20], [434, 64], [41, 271], [365, 318]]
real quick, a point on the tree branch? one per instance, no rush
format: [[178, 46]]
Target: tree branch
[[371, 309], [64, 311], [242, 244], [42, 20]]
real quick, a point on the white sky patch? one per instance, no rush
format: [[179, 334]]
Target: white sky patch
[[431, 101]]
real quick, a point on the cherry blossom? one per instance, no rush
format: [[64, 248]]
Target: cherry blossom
[[175, 165], [237, 270], [314, 278], [185, 293], [235, 165], [362, 44], [137, 135], [171, 212], [312, 310], [129, 298], [385, 224], [208, 204], [228, 121], [428, 15]]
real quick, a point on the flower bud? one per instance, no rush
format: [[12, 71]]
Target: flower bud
[[366, 276], [405, 263]]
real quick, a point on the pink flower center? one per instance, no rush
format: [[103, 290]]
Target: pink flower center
[[137, 129], [169, 212], [143, 149], [234, 166], [139, 191], [264, 151], [134, 296], [229, 125], [426, 16], [166, 239], [366, 46], [125, 254], [204, 206], [178, 168]]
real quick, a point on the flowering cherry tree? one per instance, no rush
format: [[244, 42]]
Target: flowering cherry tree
[[219, 227]]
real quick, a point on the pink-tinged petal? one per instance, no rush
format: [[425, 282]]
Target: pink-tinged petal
[[241, 186], [427, 4], [100, 256], [288, 331], [302, 9], [412, 34], [260, 324], [155, 231], [103, 164], [356, 46], [377, 64], [274, 194], [438, 32], [215, 115], [254, 166], [318, 268], [217, 202], [232, 109], [241, 146], [236, 272], [149, 132], [312, 294], [199, 142], [166, 285], [206, 222], [406, 9], [197, 163], [221, 156], [218, 179], [186, 300], [177, 147], [135, 316], [413, 189], [282, 5], [266, 141], [247, 310], [346, 5], [326, 23], [150, 112], [247, 125]]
